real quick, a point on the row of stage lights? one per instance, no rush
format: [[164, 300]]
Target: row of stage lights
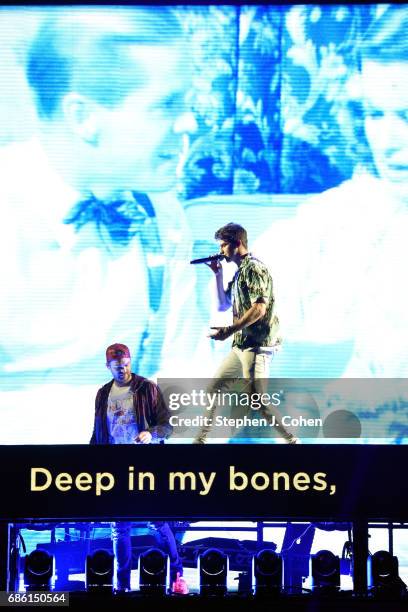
[[267, 572]]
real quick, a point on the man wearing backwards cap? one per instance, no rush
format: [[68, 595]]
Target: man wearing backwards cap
[[130, 409]]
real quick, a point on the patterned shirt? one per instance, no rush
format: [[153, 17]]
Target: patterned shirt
[[121, 415], [252, 281]]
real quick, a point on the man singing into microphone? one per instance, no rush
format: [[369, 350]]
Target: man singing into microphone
[[255, 325]]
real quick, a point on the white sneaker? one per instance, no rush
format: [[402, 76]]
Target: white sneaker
[[293, 440]]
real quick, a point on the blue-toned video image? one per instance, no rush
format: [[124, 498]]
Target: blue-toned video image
[[129, 135]]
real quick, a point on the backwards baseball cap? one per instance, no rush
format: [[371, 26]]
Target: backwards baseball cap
[[117, 351]]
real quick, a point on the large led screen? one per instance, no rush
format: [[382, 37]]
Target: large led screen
[[129, 135]]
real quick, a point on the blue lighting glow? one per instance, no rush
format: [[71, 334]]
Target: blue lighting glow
[[128, 136]]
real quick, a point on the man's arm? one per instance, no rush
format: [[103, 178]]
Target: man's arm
[[224, 300], [250, 316], [97, 400], [223, 297], [161, 429]]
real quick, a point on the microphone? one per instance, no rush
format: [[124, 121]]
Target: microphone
[[217, 257]]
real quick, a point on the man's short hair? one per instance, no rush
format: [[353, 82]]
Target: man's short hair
[[231, 233], [386, 37], [86, 50]]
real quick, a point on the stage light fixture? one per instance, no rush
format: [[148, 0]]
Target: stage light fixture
[[325, 571], [38, 570], [99, 571], [383, 575], [267, 572], [153, 572], [213, 572]]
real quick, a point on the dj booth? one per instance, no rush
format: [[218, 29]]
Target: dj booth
[[350, 484]]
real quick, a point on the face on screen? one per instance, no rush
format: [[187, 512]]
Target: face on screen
[[141, 138], [385, 95]]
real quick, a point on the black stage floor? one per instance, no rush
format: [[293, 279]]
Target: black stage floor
[[342, 602]]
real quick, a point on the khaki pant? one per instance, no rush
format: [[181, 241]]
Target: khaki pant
[[251, 365]]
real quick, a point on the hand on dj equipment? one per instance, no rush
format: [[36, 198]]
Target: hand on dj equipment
[[144, 437]]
